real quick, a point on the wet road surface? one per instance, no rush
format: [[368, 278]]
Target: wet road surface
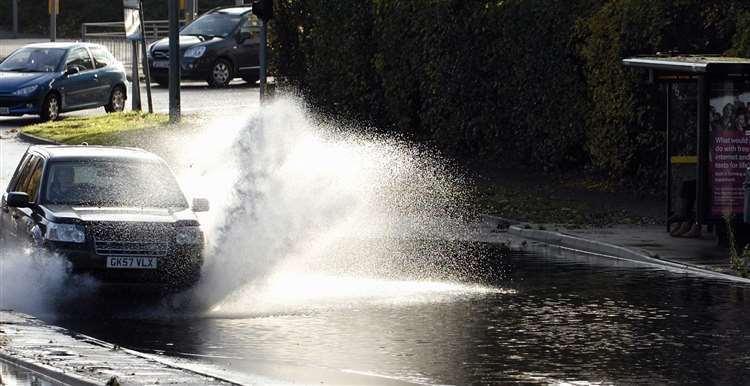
[[530, 318]]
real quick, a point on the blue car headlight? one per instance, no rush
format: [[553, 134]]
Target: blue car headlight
[[26, 91], [195, 52]]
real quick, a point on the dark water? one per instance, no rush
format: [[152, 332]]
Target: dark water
[[530, 318]]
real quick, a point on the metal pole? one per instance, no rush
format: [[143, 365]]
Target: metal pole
[[703, 191], [669, 152], [53, 21], [15, 17], [174, 62], [144, 58], [263, 61], [136, 87]]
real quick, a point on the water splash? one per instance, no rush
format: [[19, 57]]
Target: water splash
[[291, 193], [37, 282]]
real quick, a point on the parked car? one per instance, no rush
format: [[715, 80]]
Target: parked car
[[48, 79], [115, 213], [217, 47]]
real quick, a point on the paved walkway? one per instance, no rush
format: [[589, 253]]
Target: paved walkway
[[656, 242]]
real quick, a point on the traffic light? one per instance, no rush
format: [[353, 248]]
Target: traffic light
[[263, 9]]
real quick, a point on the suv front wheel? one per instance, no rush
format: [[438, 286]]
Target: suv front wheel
[[221, 73]]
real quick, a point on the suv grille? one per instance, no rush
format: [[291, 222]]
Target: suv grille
[[119, 248], [131, 239]]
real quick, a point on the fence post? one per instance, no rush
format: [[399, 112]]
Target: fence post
[[83, 32], [135, 82], [15, 18]]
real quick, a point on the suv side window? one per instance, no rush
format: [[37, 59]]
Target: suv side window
[[32, 175], [32, 188], [101, 57], [80, 59], [18, 175]]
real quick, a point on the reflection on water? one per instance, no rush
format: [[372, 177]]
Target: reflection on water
[[546, 319]]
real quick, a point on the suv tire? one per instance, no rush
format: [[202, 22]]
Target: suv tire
[[221, 73]]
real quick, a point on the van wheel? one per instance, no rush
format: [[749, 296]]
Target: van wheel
[[116, 101], [221, 74], [50, 108]]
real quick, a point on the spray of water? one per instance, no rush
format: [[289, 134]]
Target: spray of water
[[304, 211], [304, 214], [36, 282]]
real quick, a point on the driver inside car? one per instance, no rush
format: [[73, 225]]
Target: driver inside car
[[61, 188]]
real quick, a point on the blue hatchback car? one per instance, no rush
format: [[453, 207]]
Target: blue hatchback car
[[47, 79]]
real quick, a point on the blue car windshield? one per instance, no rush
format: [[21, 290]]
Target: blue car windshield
[[220, 25], [33, 59]]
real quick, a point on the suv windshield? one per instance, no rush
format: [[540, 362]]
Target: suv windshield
[[33, 60], [112, 183], [215, 24]]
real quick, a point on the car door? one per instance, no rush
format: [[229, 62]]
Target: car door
[[79, 90], [246, 52], [106, 78], [7, 222]]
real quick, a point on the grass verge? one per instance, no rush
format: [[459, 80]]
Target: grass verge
[[109, 129]]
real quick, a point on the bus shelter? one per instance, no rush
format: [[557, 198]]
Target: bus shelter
[[707, 122]]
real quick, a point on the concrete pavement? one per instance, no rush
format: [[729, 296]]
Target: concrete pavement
[[646, 244]]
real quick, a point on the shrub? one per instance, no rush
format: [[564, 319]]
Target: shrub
[[530, 83]]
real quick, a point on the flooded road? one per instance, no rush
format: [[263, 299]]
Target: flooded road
[[317, 270], [536, 319]]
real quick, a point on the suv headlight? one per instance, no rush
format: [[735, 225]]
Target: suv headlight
[[188, 235], [26, 91], [195, 52], [71, 233]]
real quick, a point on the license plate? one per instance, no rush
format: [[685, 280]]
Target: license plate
[[4, 110], [132, 262], [161, 64]]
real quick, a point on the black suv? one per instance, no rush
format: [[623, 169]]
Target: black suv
[[217, 47], [115, 213]]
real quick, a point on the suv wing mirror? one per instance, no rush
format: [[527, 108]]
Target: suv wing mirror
[[201, 205], [17, 200]]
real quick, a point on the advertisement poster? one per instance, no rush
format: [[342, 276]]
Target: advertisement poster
[[132, 19], [729, 145]]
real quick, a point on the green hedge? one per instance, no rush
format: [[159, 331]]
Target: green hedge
[[522, 82]]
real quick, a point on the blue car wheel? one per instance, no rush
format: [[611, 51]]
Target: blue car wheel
[[50, 108]]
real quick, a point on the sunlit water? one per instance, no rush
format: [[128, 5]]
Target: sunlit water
[[540, 319]]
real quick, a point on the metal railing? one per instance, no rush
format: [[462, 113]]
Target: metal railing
[[112, 36], [154, 30]]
